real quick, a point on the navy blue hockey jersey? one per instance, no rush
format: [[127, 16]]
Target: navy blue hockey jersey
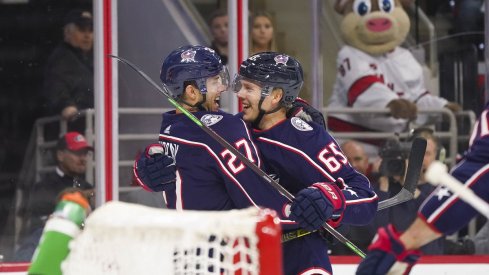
[[302, 153], [209, 176]]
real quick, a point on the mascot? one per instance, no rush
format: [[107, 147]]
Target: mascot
[[374, 72]]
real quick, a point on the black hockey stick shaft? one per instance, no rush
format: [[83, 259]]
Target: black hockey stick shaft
[[235, 151], [415, 163]]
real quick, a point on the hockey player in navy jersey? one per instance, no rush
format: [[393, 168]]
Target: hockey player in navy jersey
[[442, 213], [303, 155], [208, 177]]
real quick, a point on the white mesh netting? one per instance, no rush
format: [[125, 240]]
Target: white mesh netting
[[122, 238]]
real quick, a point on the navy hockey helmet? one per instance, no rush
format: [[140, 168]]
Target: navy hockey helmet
[[273, 70], [191, 63]]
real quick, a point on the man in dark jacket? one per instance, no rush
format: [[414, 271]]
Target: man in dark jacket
[[68, 78], [71, 156]]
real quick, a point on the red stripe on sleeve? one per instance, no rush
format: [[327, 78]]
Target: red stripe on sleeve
[[360, 86]]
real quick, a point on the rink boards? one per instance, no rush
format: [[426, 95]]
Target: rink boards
[[446, 265]]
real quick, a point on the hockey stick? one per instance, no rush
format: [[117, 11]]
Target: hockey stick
[[413, 170], [437, 174], [235, 151], [416, 155]]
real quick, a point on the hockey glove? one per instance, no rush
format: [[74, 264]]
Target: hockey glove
[[154, 171], [315, 205], [388, 254], [302, 109]]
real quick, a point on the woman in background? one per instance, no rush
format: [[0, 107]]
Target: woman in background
[[262, 33]]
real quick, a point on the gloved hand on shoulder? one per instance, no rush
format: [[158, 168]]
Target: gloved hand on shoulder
[[302, 109]]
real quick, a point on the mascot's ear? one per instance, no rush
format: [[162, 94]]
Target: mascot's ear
[[340, 5]]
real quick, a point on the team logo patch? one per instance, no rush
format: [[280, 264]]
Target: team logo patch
[[300, 124], [188, 56], [209, 119], [281, 59]]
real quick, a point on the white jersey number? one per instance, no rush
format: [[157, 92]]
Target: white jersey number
[[332, 158], [233, 162]]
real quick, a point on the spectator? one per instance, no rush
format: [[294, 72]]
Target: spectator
[[71, 157], [218, 25], [357, 157], [68, 79], [262, 33]]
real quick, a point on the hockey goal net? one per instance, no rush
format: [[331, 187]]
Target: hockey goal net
[[122, 238]]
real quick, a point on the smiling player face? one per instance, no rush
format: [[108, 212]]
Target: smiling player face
[[250, 94], [215, 86]]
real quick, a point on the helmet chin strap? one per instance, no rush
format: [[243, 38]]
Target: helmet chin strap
[[262, 112], [198, 105]]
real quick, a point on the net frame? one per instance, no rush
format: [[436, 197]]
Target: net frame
[[124, 238]]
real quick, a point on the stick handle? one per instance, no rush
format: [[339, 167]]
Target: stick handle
[[437, 174]]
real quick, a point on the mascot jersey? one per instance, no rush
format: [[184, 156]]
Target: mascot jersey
[[210, 177], [367, 81]]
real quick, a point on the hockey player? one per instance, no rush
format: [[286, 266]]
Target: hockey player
[[442, 213], [208, 176], [304, 156]]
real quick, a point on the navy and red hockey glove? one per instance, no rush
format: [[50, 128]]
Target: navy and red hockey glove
[[155, 171], [302, 109], [388, 254], [319, 203]]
